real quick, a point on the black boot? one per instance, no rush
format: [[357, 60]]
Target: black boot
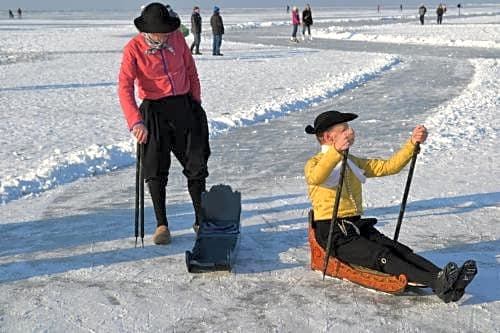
[[467, 273], [158, 196], [196, 187], [445, 280]]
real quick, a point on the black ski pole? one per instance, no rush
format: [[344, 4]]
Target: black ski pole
[[335, 211], [141, 192], [407, 190], [137, 173]]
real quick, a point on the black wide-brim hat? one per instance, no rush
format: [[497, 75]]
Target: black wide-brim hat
[[155, 18], [328, 119]]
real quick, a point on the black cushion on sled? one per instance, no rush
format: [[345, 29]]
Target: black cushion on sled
[[221, 204]]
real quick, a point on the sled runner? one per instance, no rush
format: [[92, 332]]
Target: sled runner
[[360, 275], [218, 237]]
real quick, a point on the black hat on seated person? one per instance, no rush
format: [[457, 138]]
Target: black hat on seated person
[[155, 18], [327, 119]]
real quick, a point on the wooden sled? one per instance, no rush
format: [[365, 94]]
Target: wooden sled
[[360, 275]]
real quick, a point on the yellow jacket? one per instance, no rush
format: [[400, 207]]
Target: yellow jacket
[[319, 168]]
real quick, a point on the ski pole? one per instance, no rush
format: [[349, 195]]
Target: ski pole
[[335, 211], [137, 173], [407, 190], [141, 192]]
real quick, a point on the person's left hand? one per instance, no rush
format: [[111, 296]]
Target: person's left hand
[[419, 134]]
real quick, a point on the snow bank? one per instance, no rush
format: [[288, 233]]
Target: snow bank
[[471, 119], [458, 35], [64, 168]]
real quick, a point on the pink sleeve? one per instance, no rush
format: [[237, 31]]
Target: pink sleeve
[[126, 78]]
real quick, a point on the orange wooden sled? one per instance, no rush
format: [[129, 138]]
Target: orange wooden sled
[[360, 275]]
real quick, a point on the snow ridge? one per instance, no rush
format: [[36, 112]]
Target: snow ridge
[[458, 123]]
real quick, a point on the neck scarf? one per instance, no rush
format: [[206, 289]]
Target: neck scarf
[[334, 177], [155, 46]]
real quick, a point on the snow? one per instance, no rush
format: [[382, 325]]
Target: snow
[[68, 262], [460, 33]]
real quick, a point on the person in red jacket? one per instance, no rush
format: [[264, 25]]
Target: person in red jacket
[[170, 118]]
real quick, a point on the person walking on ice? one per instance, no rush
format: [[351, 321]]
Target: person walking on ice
[[307, 21], [439, 13], [295, 24], [196, 30], [170, 118], [355, 240], [421, 13], [217, 31]]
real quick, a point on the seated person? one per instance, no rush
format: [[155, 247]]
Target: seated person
[[355, 240]]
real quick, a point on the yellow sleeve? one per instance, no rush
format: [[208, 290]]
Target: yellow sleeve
[[319, 167], [379, 167]]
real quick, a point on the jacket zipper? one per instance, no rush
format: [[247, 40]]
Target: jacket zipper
[[165, 68]]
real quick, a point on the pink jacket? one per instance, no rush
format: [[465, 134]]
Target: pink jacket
[[295, 18], [157, 75]]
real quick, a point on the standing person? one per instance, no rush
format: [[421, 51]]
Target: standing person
[[295, 24], [356, 240], [401, 7], [171, 12], [196, 30], [421, 13], [11, 14], [170, 118], [217, 31], [439, 13], [287, 9], [19, 13], [307, 21]]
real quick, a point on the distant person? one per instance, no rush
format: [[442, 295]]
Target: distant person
[[421, 13], [440, 13], [217, 31], [11, 14], [170, 118], [171, 11], [378, 8], [401, 7], [196, 30], [307, 21], [459, 6], [287, 9], [19, 13], [295, 24]]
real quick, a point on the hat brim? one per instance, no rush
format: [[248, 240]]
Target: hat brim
[[328, 123], [168, 25]]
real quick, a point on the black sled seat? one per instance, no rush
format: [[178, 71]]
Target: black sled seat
[[218, 237]]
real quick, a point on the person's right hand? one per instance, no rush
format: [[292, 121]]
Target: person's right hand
[[141, 133], [344, 140]]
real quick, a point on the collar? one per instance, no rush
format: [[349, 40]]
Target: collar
[[334, 177]]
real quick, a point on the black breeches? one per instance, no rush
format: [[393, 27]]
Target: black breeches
[[176, 125]]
